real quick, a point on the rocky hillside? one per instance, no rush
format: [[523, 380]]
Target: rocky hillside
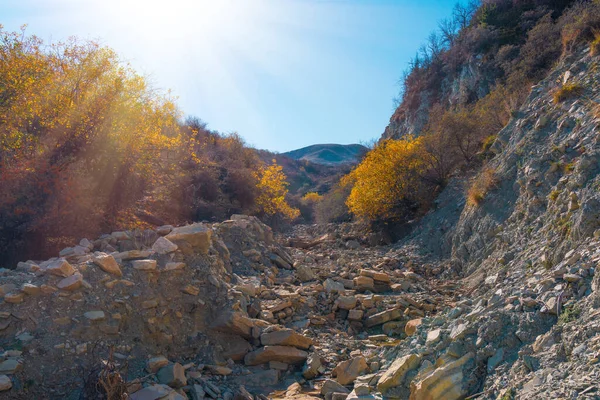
[[329, 154]]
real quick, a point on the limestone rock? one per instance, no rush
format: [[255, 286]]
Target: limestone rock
[[5, 383], [14, 298], [107, 263], [196, 235], [95, 315], [347, 371], [70, 283], [144, 265], [172, 375], [10, 366], [411, 326], [331, 386], [30, 289], [305, 273], [332, 286], [164, 246], [444, 383], [311, 368], [235, 323], [156, 363], [174, 266], [286, 337], [60, 267], [395, 374], [346, 302], [286, 354], [153, 392], [364, 283]]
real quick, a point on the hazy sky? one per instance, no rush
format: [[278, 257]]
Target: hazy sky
[[282, 73]]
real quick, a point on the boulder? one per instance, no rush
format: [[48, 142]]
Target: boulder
[[70, 283], [5, 383], [164, 246], [332, 286], [286, 337], [172, 375], [346, 302], [60, 267], [330, 386], [30, 289], [153, 392], [347, 371], [144, 265], [305, 273], [10, 366], [447, 382], [235, 323], [107, 263], [285, 354], [311, 368], [395, 374], [411, 326], [196, 235], [156, 363], [383, 317], [364, 283]]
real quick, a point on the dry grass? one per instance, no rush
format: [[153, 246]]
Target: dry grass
[[566, 91], [595, 44], [482, 184]]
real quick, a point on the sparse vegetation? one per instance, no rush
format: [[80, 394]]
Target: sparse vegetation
[[485, 181], [595, 43], [554, 195], [567, 91], [569, 313]]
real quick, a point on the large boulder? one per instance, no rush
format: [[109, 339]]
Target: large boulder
[[285, 354], [444, 383], [235, 323], [286, 337], [347, 371], [196, 235], [395, 374], [107, 263], [60, 267]]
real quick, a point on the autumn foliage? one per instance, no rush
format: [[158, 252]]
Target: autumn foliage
[[385, 185], [87, 147], [272, 191]]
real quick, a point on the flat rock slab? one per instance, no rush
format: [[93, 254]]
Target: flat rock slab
[[286, 337], [107, 263], [196, 235], [285, 354]]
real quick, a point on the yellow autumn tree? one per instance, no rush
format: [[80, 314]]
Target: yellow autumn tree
[[387, 179], [272, 187]]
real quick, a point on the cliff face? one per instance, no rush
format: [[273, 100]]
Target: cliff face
[[470, 83]]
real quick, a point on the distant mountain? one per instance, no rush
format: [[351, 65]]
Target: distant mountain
[[329, 154]]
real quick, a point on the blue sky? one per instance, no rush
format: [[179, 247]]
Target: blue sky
[[284, 74]]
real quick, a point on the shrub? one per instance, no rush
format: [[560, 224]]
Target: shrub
[[580, 24], [485, 181], [567, 91], [387, 183], [272, 189], [487, 143], [332, 207]]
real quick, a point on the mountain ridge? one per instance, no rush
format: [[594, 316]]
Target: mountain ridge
[[329, 153]]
